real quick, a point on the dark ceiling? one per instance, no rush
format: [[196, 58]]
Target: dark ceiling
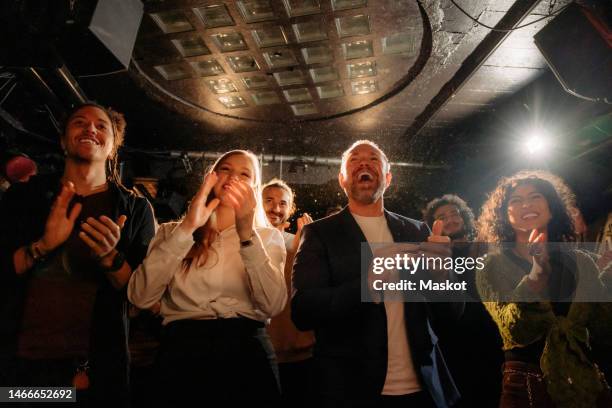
[[450, 103]]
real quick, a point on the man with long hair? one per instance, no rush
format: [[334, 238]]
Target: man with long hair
[[68, 245]]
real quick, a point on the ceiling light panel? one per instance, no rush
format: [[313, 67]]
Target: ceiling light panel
[[265, 98], [214, 16], [297, 95], [347, 4], [350, 26], [364, 87], [286, 78], [280, 58], [313, 30], [361, 69], [256, 82], [172, 21], [301, 7], [328, 91], [232, 101], [190, 46], [323, 74], [221, 86], [269, 36], [228, 42], [302, 109], [207, 67], [401, 43], [255, 11], [317, 55], [242, 63], [357, 49], [172, 72]]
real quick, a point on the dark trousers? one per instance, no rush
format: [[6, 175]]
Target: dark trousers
[[296, 379], [221, 361], [419, 399]]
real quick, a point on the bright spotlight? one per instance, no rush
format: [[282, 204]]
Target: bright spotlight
[[536, 143]]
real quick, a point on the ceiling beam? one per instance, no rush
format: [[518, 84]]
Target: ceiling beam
[[517, 12]]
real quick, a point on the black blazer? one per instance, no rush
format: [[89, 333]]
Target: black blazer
[[351, 336]]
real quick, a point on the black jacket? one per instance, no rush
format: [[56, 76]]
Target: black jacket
[[351, 336], [23, 213]]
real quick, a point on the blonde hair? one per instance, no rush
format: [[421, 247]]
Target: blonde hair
[[205, 235]]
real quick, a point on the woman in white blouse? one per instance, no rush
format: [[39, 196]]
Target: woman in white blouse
[[219, 276]]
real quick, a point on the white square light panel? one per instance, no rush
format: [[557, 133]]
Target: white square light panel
[[190, 46], [228, 42], [172, 72], [350, 26], [215, 15], [254, 11], [172, 21]]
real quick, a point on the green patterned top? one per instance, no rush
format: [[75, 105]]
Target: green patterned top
[[573, 381]]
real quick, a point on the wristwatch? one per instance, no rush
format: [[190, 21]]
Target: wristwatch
[[247, 243], [118, 261], [35, 252]]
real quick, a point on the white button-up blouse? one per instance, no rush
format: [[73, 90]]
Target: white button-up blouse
[[234, 281]]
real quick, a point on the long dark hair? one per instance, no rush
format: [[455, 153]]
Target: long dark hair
[[494, 225], [118, 125]]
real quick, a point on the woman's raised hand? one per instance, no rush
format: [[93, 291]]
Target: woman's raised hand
[[241, 197], [199, 212]]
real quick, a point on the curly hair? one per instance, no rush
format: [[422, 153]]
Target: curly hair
[[466, 212], [494, 225], [118, 125]]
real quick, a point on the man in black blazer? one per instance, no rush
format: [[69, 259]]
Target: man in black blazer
[[368, 354]]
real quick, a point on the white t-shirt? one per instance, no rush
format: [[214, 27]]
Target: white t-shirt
[[401, 377]]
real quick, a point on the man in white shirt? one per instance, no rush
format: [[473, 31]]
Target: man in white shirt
[[367, 354], [293, 347]]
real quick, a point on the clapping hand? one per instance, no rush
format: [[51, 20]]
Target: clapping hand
[[437, 246], [102, 235], [242, 198], [537, 249], [60, 221], [305, 219], [199, 212]]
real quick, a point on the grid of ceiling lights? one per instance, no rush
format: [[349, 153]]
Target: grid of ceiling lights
[[310, 34]]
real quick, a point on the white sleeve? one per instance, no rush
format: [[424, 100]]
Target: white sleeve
[[265, 262], [164, 259]]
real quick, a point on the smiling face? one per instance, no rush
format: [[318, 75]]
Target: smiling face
[[238, 167], [277, 204], [528, 209], [364, 177], [89, 135], [449, 214]]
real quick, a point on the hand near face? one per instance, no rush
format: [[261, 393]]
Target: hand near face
[[242, 198], [305, 219], [102, 235], [538, 277], [60, 221], [537, 247], [437, 246], [199, 212]]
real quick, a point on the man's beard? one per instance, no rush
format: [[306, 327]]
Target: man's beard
[[281, 220], [367, 196]]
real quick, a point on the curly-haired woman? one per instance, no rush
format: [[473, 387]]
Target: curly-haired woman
[[548, 343]]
